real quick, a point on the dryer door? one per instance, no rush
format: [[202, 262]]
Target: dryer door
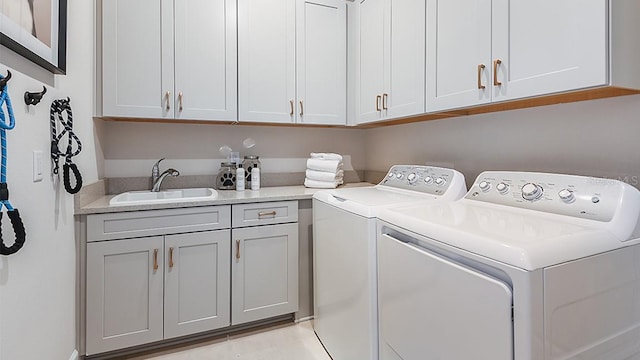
[[433, 308]]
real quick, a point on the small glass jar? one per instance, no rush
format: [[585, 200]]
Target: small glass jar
[[249, 163], [226, 179]]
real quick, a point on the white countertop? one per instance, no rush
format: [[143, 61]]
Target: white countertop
[[225, 197]]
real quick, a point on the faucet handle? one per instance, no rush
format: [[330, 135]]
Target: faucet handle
[[155, 170]]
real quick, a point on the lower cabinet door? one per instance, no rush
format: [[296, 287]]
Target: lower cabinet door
[[264, 272], [124, 293], [197, 279]]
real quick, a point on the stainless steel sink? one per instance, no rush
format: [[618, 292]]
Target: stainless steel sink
[[166, 196]]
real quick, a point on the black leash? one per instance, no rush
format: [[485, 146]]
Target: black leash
[[58, 107], [14, 215]]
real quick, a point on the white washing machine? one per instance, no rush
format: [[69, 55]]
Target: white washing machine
[[344, 253], [527, 266]]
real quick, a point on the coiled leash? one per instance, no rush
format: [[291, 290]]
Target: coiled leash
[[58, 107], [14, 215]]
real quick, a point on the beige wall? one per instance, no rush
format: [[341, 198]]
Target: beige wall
[[596, 138]]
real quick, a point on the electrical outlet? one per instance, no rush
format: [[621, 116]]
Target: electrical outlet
[[37, 166]]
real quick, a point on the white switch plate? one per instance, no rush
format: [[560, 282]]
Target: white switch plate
[[37, 166]]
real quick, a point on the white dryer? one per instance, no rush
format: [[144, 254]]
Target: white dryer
[[527, 266], [344, 253]]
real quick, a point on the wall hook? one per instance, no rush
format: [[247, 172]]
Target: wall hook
[[33, 98], [4, 81]]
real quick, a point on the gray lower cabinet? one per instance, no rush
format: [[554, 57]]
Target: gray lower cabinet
[[264, 272], [264, 268], [148, 289], [160, 274]]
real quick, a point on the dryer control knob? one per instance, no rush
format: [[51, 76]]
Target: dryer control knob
[[440, 181], [566, 196], [412, 178], [428, 180], [484, 186], [399, 176], [391, 174], [502, 188], [531, 191]]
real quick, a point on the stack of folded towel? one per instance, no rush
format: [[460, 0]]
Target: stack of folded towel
[[324, 171]]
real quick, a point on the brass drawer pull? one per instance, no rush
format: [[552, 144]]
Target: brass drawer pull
[[301, 108], [291, 107], [170, 257], [495, 72], [270, 213], [480, 70], [238, 249], [155, 259]]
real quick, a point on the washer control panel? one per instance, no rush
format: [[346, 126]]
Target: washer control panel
[[426, 179], [578, 196]]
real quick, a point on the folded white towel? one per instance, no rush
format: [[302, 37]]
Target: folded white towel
[[324, 175], [324, 165], [321, 184], [326, 156]]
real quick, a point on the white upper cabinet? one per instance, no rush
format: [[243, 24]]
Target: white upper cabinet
[[321, 61], [391, 59], [266, 60], [479, 51], [162, 59], [292, 61]]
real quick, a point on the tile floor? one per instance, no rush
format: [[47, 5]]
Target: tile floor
[[281, 342]]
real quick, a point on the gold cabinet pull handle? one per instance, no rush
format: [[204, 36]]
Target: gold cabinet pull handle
[[155, 259], [291, 107], [167, 95], [180, 101], [480, 70], [301, 108], [270, 213], [378, 98], [495, 72], [384, 101], [238, 249], [170, 257]]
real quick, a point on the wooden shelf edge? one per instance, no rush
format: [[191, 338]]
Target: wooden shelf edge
[[553, 99]]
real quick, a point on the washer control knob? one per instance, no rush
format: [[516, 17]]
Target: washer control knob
[[399, 176], [440, 181], [531, 191], [502, 188], [412, 178], [566, 196], [484, 186], [428, 179], [391, 174]]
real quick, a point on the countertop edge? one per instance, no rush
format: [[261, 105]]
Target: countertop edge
[[225, 197]]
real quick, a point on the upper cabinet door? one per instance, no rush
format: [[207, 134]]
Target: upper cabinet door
[[405, 59], [370, 67], [458, 53], [137, 58], [205, 60], [266, 60], [321, 61], [549, 46]]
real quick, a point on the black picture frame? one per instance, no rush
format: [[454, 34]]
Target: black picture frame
[[52, 58]]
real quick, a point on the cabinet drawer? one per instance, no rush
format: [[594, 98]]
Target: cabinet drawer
[[265, 213], [157, 222]]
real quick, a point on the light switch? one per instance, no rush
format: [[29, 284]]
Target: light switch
[[37, 166]]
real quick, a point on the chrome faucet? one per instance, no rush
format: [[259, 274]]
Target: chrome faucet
[[157, 178]]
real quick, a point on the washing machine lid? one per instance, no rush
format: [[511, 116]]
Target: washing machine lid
[[365, 201], [571, 217], [519, 239]]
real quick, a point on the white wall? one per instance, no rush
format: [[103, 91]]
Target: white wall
[[37, 284], [130, 149], [596, 138]]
